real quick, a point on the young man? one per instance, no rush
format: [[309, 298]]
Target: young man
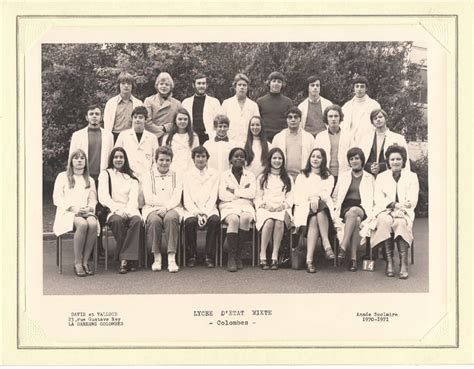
[[334, 140], [357, 111], [312, 108], [202, 108], [375, 144], [96, 142], [220, 146], [200, 195], [140, 146], [274, 105], [118, 109], [161, 106], [239, 108], [162, 189], [295, 142]]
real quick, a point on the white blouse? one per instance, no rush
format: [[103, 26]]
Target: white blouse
[[256, 166], [124, 192], [182, 159], [239, 117]]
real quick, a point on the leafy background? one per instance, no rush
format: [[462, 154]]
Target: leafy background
[[76, 75]]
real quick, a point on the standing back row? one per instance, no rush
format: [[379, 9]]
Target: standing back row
[[203, 108]]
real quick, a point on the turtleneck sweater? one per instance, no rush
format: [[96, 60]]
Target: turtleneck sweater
[[272, 110]]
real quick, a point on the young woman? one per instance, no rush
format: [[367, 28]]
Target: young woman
[[121, 197], [182, 140], [376, 143], [236, 192], [273, 203], [313, 204], [396, 196], [75, 197], [256, 146], [354, 200]]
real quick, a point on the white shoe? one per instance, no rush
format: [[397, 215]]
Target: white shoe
[[172, 267], [156, 267]]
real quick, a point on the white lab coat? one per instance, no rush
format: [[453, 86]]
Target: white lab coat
[[386, 190], [307, 144], [362, 126], [322, 141], [242, 199], [306, 189], [366, 191], [212, 107], [303, 106], [124, 192], [239, 118], [80, 140], [200, 192], [65, 197], [390, 139], [140, 154], [272, 194]]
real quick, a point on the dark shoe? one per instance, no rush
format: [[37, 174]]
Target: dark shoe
[[388, 247], [403, 252], [88, 269], [329, 254], [342, 254], [123, 267], [274, 265], [264, 265], [353, 266], [209, 263], [191, 262], [79, 270], [131, 267], [310, 268]]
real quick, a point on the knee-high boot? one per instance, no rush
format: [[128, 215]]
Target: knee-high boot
[[244, 236], [403, 252], [388, 247], [232, 243]]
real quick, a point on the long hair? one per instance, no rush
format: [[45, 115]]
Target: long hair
[[249, 143], [323, 170], [285, 178], [174, 128], [126, 165], [70, 169]]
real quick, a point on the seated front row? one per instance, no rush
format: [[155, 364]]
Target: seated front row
[[382, 209]]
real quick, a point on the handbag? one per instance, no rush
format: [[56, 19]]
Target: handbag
[[298, 255], [102, 211]]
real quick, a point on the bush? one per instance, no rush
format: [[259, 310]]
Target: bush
[[75, 75], [420, 167]]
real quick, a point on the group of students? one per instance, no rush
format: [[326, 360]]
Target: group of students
[[168, 166]]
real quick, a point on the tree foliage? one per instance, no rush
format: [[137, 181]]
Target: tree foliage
[[75, 75]]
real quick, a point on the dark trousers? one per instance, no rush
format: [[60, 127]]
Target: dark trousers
[[191, 225], [127, 235]]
